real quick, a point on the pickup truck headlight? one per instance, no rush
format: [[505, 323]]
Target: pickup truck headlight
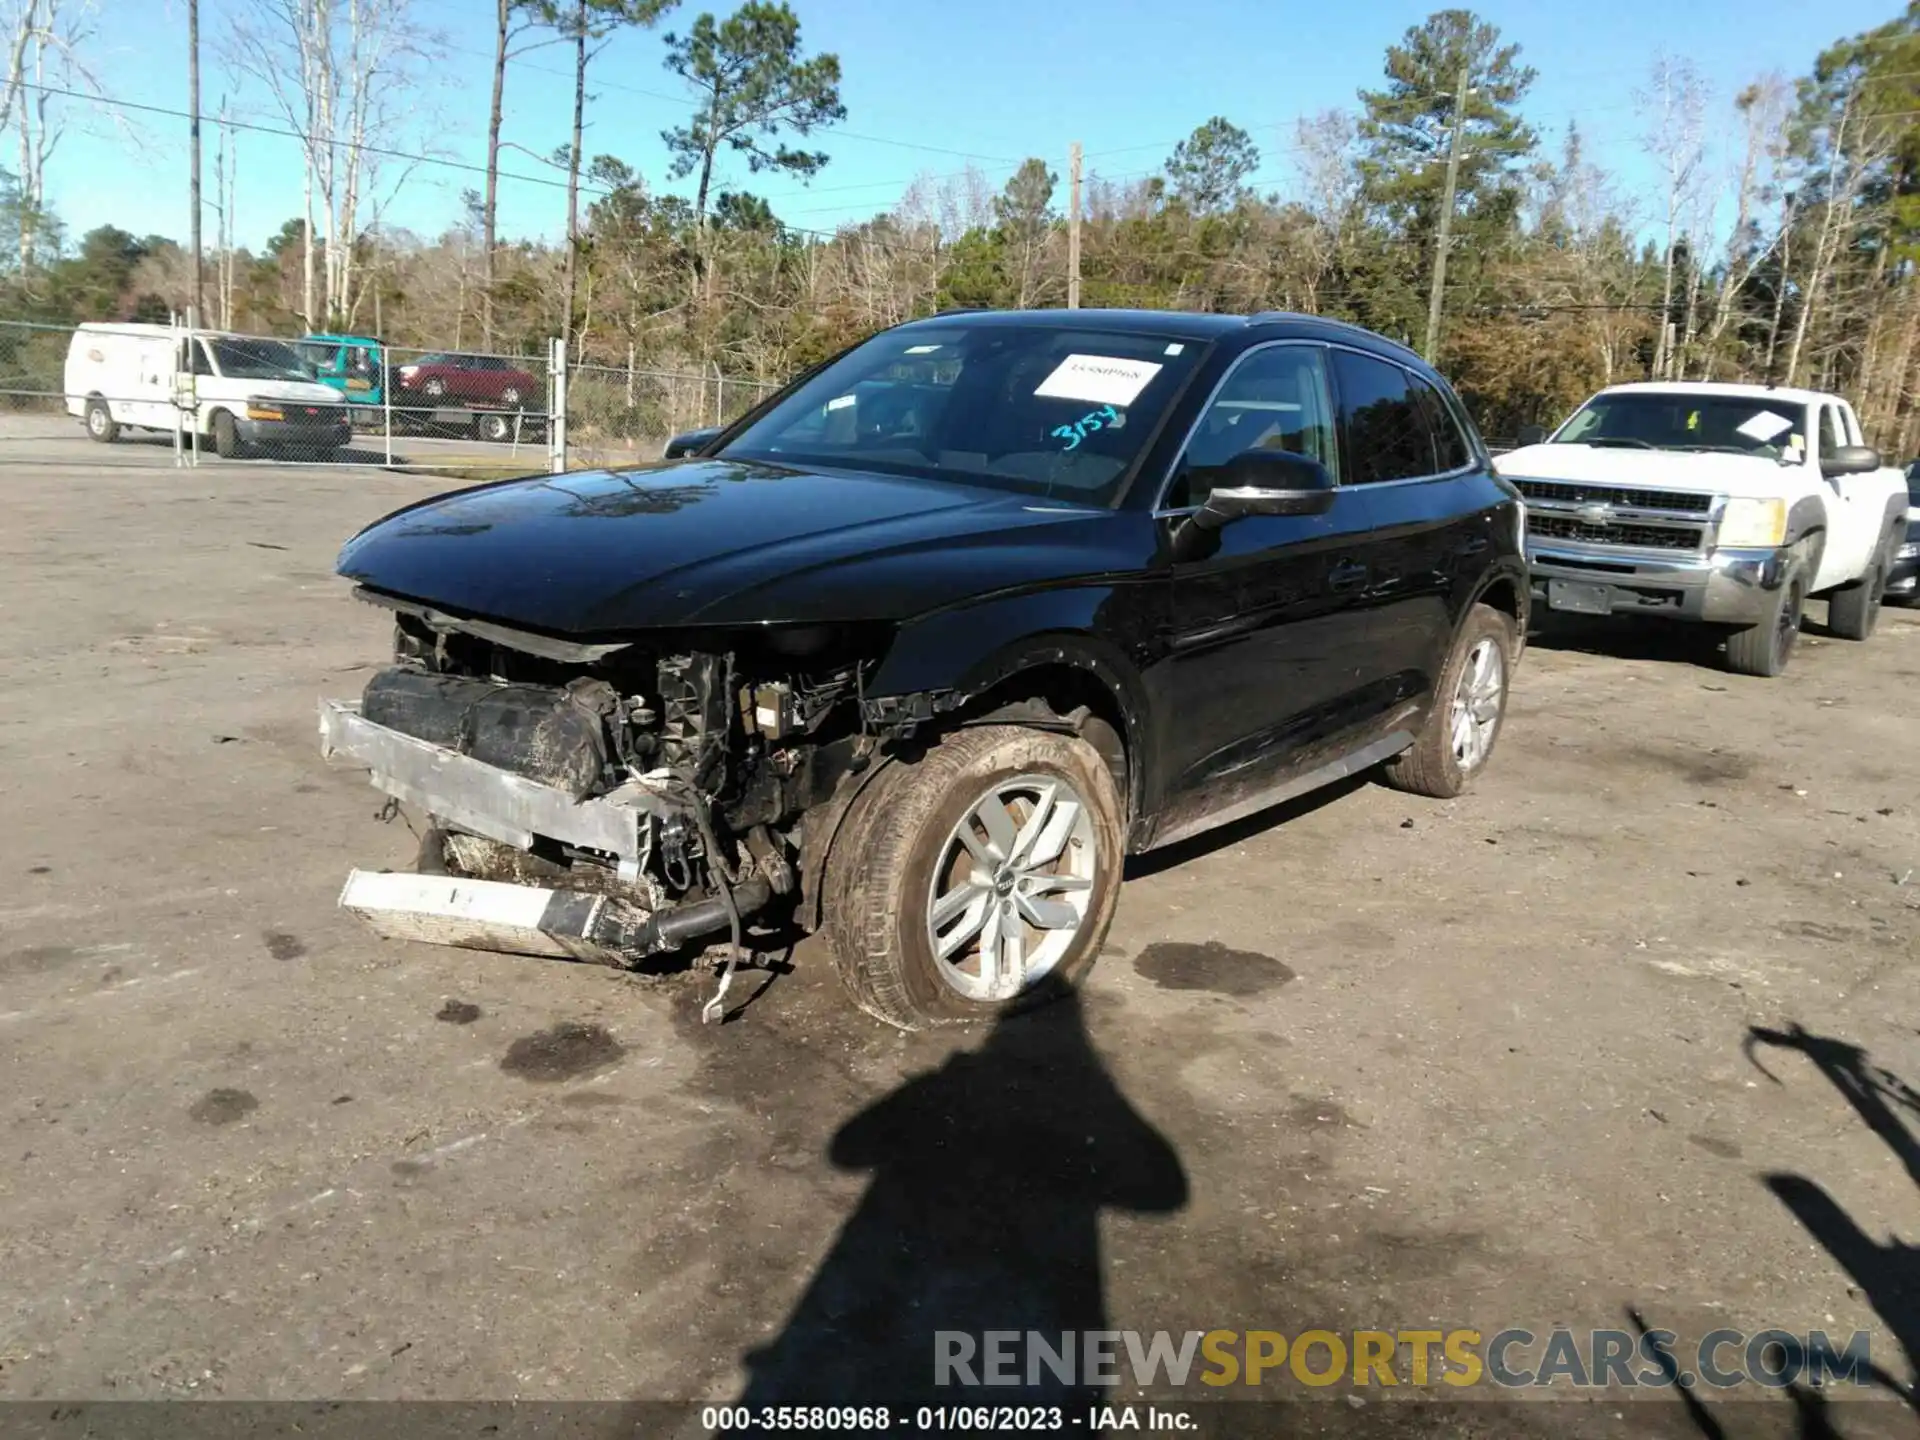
[[1754, 524]]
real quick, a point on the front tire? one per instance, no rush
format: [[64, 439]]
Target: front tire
[[1764, 649], [978, 880], [1853, 612], [1469, 708], [100, 423], [226, 436]]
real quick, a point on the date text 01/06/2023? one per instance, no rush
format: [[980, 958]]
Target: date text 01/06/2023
[[721, 1419]]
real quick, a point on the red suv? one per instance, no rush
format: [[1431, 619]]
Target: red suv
[[475, 379]]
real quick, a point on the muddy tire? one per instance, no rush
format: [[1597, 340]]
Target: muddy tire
[[1853, 612], [1470, 706], [977, 880], [226, 436], [100, 423], [1764, 649]]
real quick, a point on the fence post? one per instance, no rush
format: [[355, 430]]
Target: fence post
[[630, 358], [386, 395], [557, 405]]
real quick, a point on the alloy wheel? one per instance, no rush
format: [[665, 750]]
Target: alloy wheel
[[1011, 887], [1476, 704]]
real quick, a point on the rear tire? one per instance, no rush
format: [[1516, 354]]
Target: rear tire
[[1469, 709], [226, 436], [1001, 846], [100, 423], [492, 427], [1853, 612], [1765, 649]]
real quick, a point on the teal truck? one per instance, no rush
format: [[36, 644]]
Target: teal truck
[[355, 365]]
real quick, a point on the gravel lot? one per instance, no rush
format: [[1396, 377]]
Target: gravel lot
[[1369, 1061]]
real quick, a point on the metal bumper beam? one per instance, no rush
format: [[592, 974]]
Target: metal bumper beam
[[471, 795]]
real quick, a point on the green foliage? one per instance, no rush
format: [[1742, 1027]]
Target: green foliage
[[1406, 125], [753, 86], [1209, 168]]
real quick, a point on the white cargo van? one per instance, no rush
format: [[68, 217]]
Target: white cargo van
[[239, 392]]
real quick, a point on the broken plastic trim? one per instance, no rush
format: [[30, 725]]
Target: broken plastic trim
[[546, 647]]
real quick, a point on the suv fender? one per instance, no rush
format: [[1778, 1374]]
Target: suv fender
[[967, 651]]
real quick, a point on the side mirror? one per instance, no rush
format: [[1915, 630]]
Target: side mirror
[[691, 441], [1533, 434], [1850, 460], [1267, 482]]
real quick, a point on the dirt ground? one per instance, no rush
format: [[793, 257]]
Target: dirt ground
[[1523, 1059]]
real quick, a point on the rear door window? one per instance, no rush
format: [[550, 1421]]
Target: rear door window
[[1388, 437]]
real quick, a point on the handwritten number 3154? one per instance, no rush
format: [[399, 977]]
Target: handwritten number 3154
[[1086, 425]]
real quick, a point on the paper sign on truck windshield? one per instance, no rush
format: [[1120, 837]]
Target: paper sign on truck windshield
[[1764, 427], [1098, 379]]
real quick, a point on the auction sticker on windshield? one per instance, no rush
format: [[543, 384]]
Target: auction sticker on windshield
[[1098, 379], [1764, 427]]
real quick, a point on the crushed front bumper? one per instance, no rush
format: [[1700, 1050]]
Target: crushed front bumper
[[461, 793], [1724, 587], [472, 795]]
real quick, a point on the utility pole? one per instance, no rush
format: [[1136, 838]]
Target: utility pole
[[1432, 346], [193, 104], [1073, 226]]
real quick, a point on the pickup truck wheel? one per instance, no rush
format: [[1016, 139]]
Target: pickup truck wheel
[[1471, 701], [226, 438], [978, 880], [100, 424], [1764, 649], [1853, 612]]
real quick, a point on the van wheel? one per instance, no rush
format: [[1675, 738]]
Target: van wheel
[[978, 880], [1470, 704], [1764, 649], [1853, 612], [100, 425], [226, 438]]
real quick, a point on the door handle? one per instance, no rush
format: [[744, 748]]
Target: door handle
[[1347, 575]]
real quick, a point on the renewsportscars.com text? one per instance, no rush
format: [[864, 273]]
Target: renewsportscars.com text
[[1510, 1359]]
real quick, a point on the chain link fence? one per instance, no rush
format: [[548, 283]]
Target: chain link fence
[[625, 414], [353, 399]]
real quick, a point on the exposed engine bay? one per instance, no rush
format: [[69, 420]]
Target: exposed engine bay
[[607, 801]]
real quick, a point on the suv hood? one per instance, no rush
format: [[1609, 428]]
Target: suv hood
[[700, 542], [1703, 471]]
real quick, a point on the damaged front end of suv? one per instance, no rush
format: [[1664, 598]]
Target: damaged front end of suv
[[606, 802]]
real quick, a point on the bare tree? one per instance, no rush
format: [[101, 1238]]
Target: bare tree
[[339, 71], [1675, 101], [1762, 107], [1327, 146], [1841, 151]]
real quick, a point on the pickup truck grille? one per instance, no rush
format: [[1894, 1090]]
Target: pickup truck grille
[[1648, 537], [1581, 494]]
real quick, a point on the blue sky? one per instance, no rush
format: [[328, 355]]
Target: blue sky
[[929, 88]]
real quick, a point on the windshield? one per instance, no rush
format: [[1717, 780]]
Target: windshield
[[259, 360], [1040, 409], [1733, 424]]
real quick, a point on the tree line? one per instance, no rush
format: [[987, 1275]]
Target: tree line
[[1777, 241]]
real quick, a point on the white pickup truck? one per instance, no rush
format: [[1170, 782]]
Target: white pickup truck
[[1724, 504]]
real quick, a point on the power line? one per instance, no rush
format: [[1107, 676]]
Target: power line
[[682, 102]]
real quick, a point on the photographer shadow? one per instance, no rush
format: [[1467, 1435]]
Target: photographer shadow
[[989, 1176]]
